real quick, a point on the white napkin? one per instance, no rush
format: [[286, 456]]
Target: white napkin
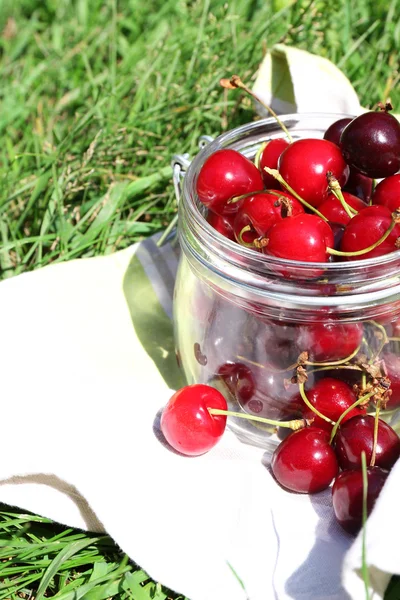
[[291, 80], [87, 363]]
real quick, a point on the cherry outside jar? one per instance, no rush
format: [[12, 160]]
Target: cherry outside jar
[[245, 320]]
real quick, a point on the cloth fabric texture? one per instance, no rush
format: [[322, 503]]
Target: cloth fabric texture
[[87, 356]]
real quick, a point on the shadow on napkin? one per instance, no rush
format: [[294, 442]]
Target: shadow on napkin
[[148, 287], [324, 562], [88, 516]]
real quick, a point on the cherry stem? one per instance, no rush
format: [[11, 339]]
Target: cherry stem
[[294, 424], [334, 363], [346, 412], [368, 347], [376, 426], [240, 239], [309, 363], [337, 192], [311, 407], [235, 199], [384, 340], [332, 368], [236, 82], [363, 380], [365, 250], [258, 155], [364, 570], [275, 173]]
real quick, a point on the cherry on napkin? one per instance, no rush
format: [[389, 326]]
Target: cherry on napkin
[[87, 362]]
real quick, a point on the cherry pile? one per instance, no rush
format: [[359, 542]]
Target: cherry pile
[[320, 386], [311, 200], [318, 452]]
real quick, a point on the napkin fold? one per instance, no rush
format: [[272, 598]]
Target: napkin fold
[[88, 362], [291, 80]]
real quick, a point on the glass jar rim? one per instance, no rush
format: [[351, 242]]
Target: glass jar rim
[[374, 280]]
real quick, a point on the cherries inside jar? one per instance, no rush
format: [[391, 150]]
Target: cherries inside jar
[[266, 327]]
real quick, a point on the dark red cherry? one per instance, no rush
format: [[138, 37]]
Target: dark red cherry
[[238, 379], [224, 175], [359, 185], [269, 158], [333, 209], [334, 131], [302, 238], [261, 211], [304, 165], [347, 496], [329, 341], [357, 435], [365, 229], [222, 223], [371, 144], [305, 462], [331, 397], [387, 193], [392, 364]]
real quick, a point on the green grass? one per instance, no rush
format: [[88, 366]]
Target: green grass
[[96, 96]]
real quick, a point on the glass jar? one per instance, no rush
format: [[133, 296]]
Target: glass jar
[[242, 319]]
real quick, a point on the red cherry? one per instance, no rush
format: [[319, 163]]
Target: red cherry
[[222, 223], [269, 158], [331, 397], [186, 422], [333, 209], [224, 175], [347, 496], [357, 435], [326, 342], [304, 165], [365, 229], [303, 238], [359, 185], [387, 193], [392, 364], [261, 211], [305, 462]]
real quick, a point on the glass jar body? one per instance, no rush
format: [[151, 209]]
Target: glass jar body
[[250, 325]]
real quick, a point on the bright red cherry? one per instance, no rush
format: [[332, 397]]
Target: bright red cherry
[[365, 229], [333, 209], [261, 211], [331, 397], [303, 238], [357, 435], [269, 158], [222, 223], [371, 144], [186, 422], [224, 175], [304, 165], [334, 131], [305, 462], [347, 496], [392, 364], [329, 341], [387, 193]]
